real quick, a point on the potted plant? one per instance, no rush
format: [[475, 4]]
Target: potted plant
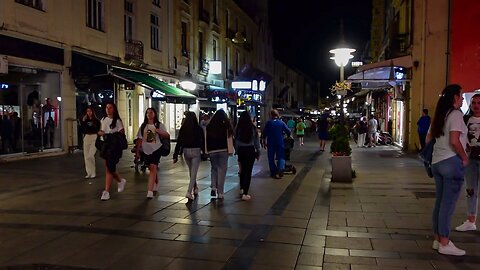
[[341, 151]]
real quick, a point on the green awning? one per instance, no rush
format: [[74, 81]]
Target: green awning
[[160, 90]]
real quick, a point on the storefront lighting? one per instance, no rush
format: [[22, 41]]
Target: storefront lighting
[[345, 105], [353, 98], [262, 85], [255, 85], [215, 67], [188, 85], [4, 86], [59, 98], [242, 85], [339, 96]]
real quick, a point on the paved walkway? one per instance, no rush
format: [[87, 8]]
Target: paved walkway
[[51, 218]]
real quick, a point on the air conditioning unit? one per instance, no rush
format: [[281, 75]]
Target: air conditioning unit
[[3, 64]]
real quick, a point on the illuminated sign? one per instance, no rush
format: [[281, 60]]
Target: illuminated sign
[[262, 85], [242, 85], [157, 94], [215, 67], [218, 99], [4, 86]]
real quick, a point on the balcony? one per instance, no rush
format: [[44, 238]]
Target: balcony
[[134, 50], [204, 16]]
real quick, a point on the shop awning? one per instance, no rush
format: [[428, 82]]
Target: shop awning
[[160, 90], [404, 61]]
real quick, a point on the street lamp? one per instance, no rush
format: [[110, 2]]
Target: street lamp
[[341, 56]]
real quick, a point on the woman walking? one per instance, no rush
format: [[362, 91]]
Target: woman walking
[[448, 162], [90, 126], [191, 141], [247, 146], [113, 135], [473, 169], [148, 138], [218, 130], [322, 131], [300, 130]]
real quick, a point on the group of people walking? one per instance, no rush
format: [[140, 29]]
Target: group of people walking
[[456, 156], [216, 139]]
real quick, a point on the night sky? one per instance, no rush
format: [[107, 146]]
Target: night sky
[[305, 30]]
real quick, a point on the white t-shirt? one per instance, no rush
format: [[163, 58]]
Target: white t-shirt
[[106, 122], [372, 125], [151, 143], [442, 149]]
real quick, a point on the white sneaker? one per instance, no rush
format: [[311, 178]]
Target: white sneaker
[[435, 244], [451, 249], [87, 176], [189, 196], [93, 176], [246, 197], [121, 185], [105, 196], [466, 226], [155, 187], [149, 194]]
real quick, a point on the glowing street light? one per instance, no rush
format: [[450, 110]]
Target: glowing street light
[[341, 56]]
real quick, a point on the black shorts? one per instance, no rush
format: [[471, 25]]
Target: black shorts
[[300, 135], [153, 158]]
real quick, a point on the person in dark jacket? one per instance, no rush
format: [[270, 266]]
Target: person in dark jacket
[[423, 126], [90, 127], [190, 141], [112, 149], [247, 147], [272, 138], [218, 130]]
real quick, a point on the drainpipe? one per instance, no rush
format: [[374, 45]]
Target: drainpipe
[[449, 28]]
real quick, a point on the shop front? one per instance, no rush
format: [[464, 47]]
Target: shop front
[[212, 98]]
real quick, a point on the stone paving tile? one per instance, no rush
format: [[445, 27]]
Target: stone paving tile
[[336, 266], [349, 259], [310, 259], [286, 235], [227, 233], [208, 252], [187, 229], [314, 250], [328, 233], [414, 264], [281, 258], [362, 222], [348, 229], [314, 240], [146, 262], [25, 242], [307, 267], [348, 243], [370, 267], [267, 267], [346, 207], [291, 222], [369, 235], [150, 226], [374, 253], [337, 251], [164, 248], [113, 223], [181, 263], [395, 245], [339, 222], [317, 223]]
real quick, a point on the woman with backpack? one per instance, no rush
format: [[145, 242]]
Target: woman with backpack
[[190, 141], [448, 165], [148, 138], [300, 130]]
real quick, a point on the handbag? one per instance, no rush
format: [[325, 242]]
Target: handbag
[[230, 147], [166, 147], [426, 156], [99, 143]]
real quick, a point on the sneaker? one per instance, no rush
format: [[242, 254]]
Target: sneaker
[[87, 176], [121, 185], [93, 176], [246, 197], [466, 226], [149, 194], [450, 249], [280, 173], [189, 196], [213, 192], [220, 195], [105, 196], [435, 244], [155, 187]]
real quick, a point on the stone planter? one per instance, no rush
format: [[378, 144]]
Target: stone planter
[[342, 169]]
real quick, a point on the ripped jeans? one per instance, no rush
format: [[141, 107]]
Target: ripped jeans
[[472, 174]]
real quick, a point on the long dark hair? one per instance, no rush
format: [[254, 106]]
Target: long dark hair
[[189, 126], [245, 128], [155, 118], [94, 115], [470, 112], [220, 121], [116, 116], [444, 106]]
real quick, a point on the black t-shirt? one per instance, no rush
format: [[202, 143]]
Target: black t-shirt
[[90, 126]]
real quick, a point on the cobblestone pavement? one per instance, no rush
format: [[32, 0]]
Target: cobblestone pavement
[[52, 218]]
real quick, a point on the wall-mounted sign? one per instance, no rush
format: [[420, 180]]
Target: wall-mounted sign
[[242, 85], [157, 94], [219, 99], [4, 86], [215, 67]]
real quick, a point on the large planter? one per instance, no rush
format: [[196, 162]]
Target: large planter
[[342, 169]]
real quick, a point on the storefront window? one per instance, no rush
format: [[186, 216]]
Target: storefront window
[[30, 110]]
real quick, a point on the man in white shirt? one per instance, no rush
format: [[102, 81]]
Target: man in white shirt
[[372, 131]]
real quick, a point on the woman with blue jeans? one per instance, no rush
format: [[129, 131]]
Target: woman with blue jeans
[[448, 162], [218, 130], [472, 173], [191, 141]]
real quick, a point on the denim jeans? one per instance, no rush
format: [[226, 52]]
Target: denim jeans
[[219, 162], [276, 152], [472, 173], [448, 175], [192, 158]]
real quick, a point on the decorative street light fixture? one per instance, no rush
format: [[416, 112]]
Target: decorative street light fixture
[[341, 56]]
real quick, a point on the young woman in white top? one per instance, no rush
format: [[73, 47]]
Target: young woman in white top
[[110, 125], [148, 137], [448, 162]]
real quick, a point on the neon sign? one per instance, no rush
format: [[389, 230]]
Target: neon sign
[[4, 86]]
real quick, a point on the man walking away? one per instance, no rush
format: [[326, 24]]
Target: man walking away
[[272, 139], [423, 126]]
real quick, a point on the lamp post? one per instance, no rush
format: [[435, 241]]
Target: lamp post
[[341, 56]]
